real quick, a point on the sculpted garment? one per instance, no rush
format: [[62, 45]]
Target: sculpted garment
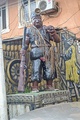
[[40, 47]]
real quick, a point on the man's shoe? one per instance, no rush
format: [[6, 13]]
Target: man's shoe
[[50, 88], [35, 90]]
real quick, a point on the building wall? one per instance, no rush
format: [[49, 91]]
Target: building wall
[[14, 31], [68, 16]]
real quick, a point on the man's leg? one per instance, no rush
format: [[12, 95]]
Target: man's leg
[[50, 85], [35, 74], [35, 86], [48, 76]]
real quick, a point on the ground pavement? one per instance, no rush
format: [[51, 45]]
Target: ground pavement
[[61, 111]]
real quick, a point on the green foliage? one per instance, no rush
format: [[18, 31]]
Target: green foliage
[[16, 92], [27, 89]]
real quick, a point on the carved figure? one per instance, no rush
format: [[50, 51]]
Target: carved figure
[[70, 61], [38, 36]]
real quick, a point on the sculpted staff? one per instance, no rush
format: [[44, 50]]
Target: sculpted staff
[[38, 36]]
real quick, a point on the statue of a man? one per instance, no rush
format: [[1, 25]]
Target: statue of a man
[[38, 36]]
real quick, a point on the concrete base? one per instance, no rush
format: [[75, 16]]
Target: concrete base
[[19, 104], [62, 111]]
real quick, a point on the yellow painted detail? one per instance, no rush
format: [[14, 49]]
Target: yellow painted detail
[[71, 69]]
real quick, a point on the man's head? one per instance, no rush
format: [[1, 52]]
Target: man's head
[[36, 20]]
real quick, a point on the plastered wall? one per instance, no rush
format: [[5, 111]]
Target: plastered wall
[[67, 16]]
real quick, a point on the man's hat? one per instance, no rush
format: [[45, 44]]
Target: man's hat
[[35, 13]]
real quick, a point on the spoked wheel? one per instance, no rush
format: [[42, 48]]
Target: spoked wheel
[[13, 71]]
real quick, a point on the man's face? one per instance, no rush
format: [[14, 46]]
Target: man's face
[[37, 21], [70, 41]]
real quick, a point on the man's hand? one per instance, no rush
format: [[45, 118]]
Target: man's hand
[[51, 30], [53, 35], [43, 59]]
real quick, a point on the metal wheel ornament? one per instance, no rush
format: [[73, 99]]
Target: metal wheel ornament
[[13, 71]]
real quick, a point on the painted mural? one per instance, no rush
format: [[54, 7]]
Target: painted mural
[[69, 62], [69, 56]]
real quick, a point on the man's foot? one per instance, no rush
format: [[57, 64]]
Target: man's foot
[[35, 90], [35, 87], [50, 88]]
